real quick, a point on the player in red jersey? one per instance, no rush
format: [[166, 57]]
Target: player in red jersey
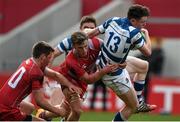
[[77, 68], [29, 79]]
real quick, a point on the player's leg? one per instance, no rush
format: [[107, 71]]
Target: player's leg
[[137, 69], [26, 107], [129, 98], [75, 103], [123, 88]]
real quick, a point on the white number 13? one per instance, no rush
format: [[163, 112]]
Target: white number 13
[[13, 82]]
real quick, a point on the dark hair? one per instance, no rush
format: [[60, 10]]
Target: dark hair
[[78, 37], [40, 48], [87, 19], [137, 11]]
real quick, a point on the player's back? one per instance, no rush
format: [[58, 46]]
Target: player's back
[[19, 85], [117, 41]]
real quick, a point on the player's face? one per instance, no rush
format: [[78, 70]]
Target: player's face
[[141, 23], [82, 49], [47, 59], [88, 25]]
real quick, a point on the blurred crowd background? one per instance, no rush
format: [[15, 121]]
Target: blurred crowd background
[[24, 22]]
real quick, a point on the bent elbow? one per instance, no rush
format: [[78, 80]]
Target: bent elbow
[[148, 53]]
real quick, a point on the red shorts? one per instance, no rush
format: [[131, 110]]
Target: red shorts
[[11, 114]]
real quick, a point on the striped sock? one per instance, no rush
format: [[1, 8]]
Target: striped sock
[[118, 117], [138, 86]]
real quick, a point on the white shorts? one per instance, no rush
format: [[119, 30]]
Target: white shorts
[[119, 82]]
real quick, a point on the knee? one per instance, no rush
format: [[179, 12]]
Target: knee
[[145, 66], [32, 108]]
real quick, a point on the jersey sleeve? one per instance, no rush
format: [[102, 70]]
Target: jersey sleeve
[[65, 45], [104, 26], [96, 43], [137, 39]]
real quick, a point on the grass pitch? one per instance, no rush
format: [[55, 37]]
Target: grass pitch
[[107, 116]]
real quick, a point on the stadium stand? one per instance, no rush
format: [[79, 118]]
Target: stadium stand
[[15, 12]]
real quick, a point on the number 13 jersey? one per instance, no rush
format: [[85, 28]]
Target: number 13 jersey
[[120, 37]]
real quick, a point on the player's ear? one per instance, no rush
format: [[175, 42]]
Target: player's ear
[[42, 56], [133, 20]]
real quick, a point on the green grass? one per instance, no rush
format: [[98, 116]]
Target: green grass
[[107, 116]]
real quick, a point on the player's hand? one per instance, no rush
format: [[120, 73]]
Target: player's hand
[[123, 65], [87, 30], [62, 112], [110, 68], [76, 89], [144, 31]]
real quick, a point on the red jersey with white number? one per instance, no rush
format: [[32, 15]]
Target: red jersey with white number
[[28, 77], [74, 67]]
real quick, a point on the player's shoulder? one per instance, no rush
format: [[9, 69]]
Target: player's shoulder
[[66, 41], [71, 60], [71, 57], [95, 43], [33, 68], [96, 39], [27, 63], [134, 31], [131, 28], [116, 18]]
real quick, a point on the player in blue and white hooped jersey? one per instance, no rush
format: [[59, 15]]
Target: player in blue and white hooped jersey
[[121, 35]]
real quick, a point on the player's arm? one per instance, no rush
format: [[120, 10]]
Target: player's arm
[[100, 29], [61, 79], [43, 103], [142, 43], [146, 48], [57, 52], [91, 78], [94, 32], [62, 47]]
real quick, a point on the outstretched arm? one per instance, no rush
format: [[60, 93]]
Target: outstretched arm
[[93, 32], [62, 80], [57, 52], [43, 103]]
